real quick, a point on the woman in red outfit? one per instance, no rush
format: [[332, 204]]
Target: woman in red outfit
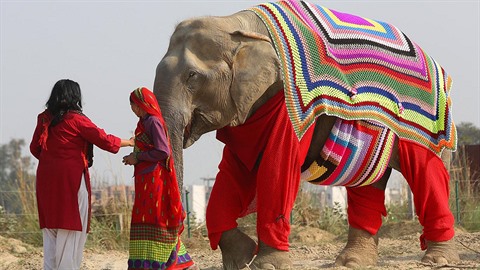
[[157, 214], [61, 142]]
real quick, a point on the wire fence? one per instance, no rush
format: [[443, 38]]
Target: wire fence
[[463, 200]]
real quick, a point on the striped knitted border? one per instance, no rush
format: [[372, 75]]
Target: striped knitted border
[[356, 153], [356, 68]]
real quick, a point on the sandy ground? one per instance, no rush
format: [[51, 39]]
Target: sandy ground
[[311, 248]]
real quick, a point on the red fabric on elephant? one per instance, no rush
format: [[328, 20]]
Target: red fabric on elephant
[[249, 175], [260, 167], [429, 181], [366, 206]]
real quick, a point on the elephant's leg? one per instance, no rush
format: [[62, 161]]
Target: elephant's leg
[[237, 249], [278, 181], [429, 182], [365, 209], [233, 192], [271, 258], [441, 252], [360, 251]]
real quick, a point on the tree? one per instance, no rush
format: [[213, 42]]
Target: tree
[[16, 179], [468, 134]]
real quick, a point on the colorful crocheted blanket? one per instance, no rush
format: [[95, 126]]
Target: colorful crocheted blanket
[[356, 153], [356, 68]]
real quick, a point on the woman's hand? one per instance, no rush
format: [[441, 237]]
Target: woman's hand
[[130, 159], [131, 141]]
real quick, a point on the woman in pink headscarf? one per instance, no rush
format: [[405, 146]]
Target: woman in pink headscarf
[[157, 215]]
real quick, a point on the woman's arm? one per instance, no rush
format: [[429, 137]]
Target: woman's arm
[[129, 142], [93, 134], [159, 139], [161, 150], [35, 147]]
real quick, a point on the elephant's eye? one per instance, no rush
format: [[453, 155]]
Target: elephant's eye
[[192, 80], [191, 74]]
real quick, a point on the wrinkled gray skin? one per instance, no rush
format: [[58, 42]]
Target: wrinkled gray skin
[[217, 72]]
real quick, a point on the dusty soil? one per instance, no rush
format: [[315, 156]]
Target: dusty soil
[[311, 248]]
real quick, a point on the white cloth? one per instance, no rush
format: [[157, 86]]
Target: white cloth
[[63, 249]]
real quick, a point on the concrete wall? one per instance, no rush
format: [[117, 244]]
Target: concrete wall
[[197, 202]]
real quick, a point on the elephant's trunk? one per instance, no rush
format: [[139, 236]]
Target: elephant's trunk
[[174, 112], [175, 131]]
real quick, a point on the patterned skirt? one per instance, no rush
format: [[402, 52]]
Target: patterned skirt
[[151, 254], [153, 243]]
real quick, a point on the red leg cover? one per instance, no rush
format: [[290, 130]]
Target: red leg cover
[[262, 160], [429, 182], [233, 192], [366, 205]]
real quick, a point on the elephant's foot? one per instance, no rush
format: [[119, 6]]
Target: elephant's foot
[[237, 249], [360, 251], [441, 252], [271, 259]]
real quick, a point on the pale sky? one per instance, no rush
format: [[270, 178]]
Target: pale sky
[[112, 47]]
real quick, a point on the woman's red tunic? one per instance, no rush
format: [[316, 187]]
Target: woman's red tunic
[[62, 161]]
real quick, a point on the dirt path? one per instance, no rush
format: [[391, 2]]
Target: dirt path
[[311, 249]]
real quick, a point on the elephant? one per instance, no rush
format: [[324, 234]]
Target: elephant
[[219, 73]]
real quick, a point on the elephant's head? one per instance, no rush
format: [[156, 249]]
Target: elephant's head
[[216, 72]]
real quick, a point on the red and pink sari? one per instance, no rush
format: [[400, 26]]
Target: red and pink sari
[[157, 215]]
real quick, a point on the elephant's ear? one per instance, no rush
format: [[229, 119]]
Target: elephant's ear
[[255, 68], [253, 35]]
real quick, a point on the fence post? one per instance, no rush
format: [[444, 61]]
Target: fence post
[[457, 202], [411, 205], [188, 213]]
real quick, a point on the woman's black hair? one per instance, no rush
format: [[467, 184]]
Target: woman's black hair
[[66, 95]]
